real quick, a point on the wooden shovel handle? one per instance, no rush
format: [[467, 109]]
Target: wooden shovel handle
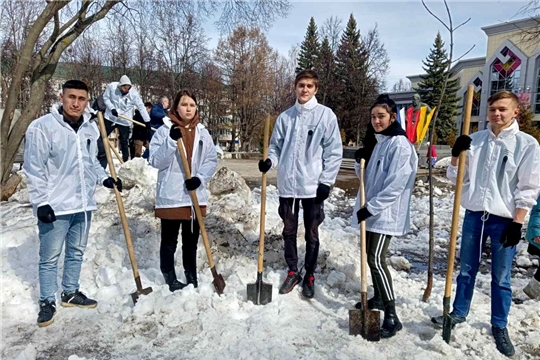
[[363, 262], [457, 196], [134, 121], [195, 201], [119, 201], [263, 198]]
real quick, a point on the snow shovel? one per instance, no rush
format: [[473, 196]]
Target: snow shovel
[[218, 282], [121, 210], [447, 321], [135, 121], [364, 322], [260, 293]]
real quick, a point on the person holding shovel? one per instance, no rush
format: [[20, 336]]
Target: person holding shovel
[[60, 163], [306, 148], [501, 184], [389, 183], [173, 202]]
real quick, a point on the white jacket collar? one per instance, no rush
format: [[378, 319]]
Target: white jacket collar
[[307, 106], [509, 132], [381, 137], [168, 122], [55, 112]]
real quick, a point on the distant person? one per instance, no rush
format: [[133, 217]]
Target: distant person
[[307, 151], [121, 98], [158, 112], [433, 151], [501, 184], [140, 136], [60, 163]]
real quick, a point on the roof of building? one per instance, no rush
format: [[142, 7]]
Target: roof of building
[[508, 26]]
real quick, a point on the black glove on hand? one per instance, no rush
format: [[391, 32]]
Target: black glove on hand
[[114, 112], [265, 165], [463, 142], [109, 183], [322, 193], [193, 183], [512, 235], [45, 214], [363, 214], [359, 154], [175, 133]]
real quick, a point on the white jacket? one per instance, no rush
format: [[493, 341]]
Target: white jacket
[[389, 182], [124, 104], [164, 155], [306, 148], [61, 165], [502, 172]]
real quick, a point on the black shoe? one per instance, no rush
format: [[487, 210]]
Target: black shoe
[[47, 310], [308, 287], [78, 299], [438, 320], [504, 344], [191, 278], [375, 303], [391, 324], [174, 284], [293, 278]]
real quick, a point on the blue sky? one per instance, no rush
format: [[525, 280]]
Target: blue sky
[[405, 27]]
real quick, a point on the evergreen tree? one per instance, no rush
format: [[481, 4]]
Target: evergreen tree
[[356, 89], [430, 89], [526, 121], [309, 49], [326, 69]]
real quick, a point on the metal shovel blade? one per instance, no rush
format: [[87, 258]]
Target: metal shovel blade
[[260, 293], [447, 328], [136, 294], [219, 282], [365, 322]]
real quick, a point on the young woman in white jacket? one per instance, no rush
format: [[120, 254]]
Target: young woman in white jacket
[[173, 202], [389, 182]]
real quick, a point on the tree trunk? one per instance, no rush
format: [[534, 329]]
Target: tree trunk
[[11, 185]]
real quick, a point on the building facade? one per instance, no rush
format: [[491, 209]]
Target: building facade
[[512, 62]]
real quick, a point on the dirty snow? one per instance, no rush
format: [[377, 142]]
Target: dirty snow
[[199, 324]]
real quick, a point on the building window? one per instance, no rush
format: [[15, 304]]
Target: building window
[[537, 102], [505, 72], [477, 96]]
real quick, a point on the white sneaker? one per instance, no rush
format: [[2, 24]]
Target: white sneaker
[[532, 289]]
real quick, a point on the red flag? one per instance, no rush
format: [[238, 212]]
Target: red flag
[[411, 130]]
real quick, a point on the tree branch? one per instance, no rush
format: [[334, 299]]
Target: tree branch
[[462, 56], [435, 16]]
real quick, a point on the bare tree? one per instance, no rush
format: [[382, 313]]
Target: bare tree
[[377, 57], [260, 14], [41, 60], [402, 85], [332, 29], [531, 35]]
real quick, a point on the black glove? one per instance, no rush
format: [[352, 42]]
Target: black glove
[[265, 165], [193, 183], [463, 142], [114, 112], [322, 193], [45, 214], [175, 133], [360, 154], [363, 214], [109, 183], [512, 235]]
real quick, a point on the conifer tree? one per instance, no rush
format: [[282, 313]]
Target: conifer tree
[[326, 69], [430, 89], [309, 49]]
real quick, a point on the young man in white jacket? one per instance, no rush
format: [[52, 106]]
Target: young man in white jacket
[[501, 184], [121, 99], [62, 170], [306, 148]]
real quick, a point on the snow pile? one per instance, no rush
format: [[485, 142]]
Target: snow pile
[[199, 324]]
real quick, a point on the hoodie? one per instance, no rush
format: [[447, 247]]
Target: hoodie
[[123, 103]]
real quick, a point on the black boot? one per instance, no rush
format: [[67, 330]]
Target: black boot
[[502, 340], [375, 303], [391, 324], [191, 278], [174, 284], [308, 287], [293, 278]]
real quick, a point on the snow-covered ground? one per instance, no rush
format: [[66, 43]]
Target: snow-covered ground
[[199, 324]]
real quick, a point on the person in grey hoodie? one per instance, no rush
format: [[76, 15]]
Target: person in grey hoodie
[[306, 144], [389, 182], [121, 99]]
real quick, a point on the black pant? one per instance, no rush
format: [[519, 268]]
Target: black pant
[[376, 247], [124, 137], [169, 240], [313, 217]]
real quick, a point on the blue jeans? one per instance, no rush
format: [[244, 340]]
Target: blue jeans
[[472, 243], [73, 230]]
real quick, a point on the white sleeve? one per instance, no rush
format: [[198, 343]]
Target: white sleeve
[[332, 153], [140, 105], [528, 184], [208, 167], [36, 153], [107, 98], [162, 149], [276, 142]]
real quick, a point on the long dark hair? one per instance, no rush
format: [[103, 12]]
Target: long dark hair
[[176, 101]]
